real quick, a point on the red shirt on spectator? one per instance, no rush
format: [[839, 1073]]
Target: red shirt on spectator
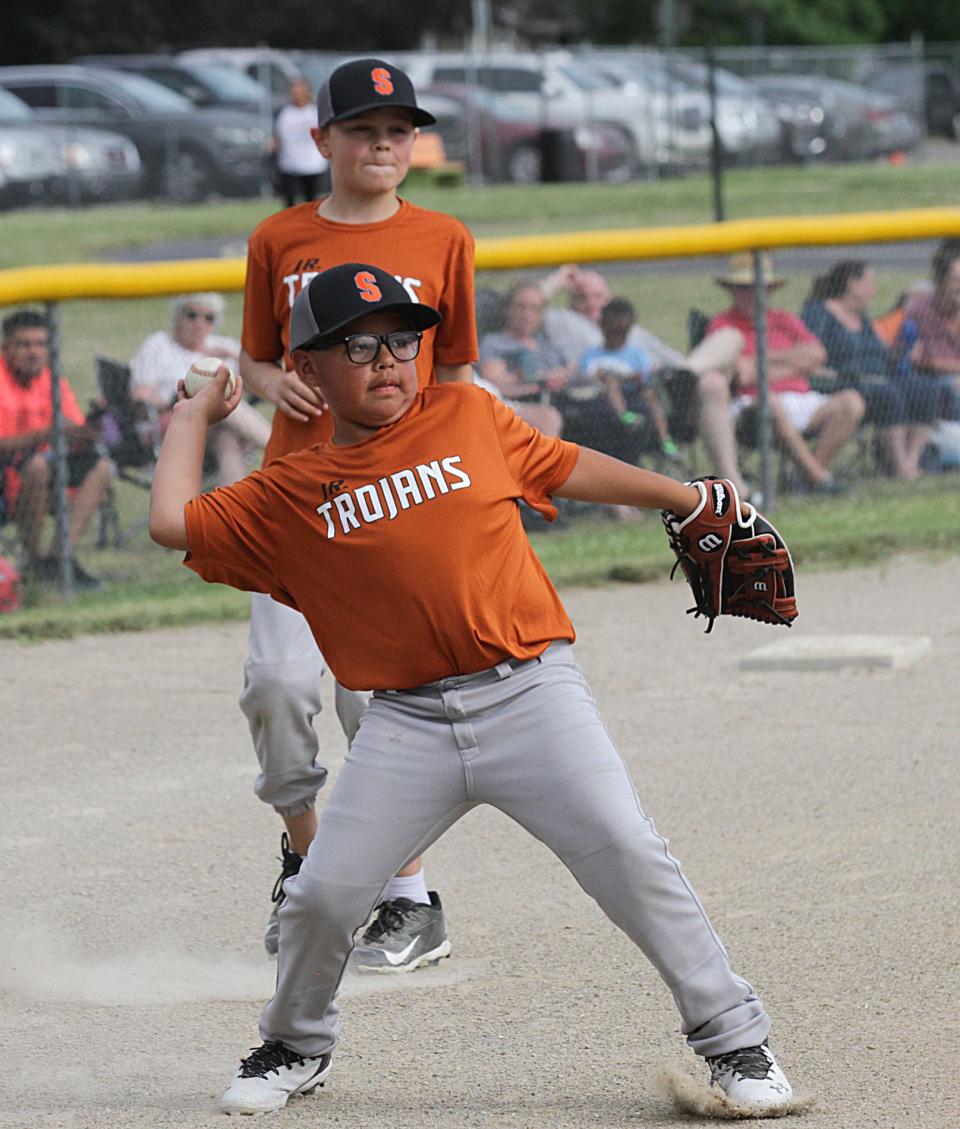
[[784, 330]]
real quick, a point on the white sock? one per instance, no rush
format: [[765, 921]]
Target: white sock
[[413, 886]]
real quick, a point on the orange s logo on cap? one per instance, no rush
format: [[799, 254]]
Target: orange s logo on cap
[[367, 286], [382, 80]]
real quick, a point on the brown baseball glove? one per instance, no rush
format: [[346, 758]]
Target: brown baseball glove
[[734, 560]]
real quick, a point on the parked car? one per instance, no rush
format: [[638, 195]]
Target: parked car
[[893, 129], [551, 88], [496, 138], [931, 91], [204, 84], [186, 155], [859, 122], [678, 112], [266, 65], [31, 158], [942, 100], [802, 120], [748, 126], [48, 163], [846, 132]]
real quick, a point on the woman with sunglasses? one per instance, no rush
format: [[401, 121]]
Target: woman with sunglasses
[[166, 355]]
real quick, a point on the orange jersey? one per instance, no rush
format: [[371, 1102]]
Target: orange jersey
[[430, 253], [405, 553]]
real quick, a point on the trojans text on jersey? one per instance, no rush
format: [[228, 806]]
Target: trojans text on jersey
[[306, 270], [390, 495]]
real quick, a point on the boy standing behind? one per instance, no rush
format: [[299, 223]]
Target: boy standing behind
[[367, 123]]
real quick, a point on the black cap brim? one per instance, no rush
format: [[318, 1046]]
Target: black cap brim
[[420, 117], [419, 315]]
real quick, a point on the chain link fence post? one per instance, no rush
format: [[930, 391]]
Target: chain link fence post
[[763, 381], [60, 473]]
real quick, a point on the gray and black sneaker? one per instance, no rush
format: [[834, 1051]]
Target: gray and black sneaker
[[270, 1076], [751, 1078], [403, 936], [291, 863]]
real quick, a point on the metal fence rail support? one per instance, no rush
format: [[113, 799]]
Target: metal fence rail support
[[763, 381], [60, 470]]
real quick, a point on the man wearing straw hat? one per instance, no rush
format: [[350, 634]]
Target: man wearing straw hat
[[793, 354]]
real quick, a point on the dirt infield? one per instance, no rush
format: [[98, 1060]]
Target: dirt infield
[[816, 814]]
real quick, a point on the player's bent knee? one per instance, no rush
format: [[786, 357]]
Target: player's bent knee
[[323, 898], [271, 688]]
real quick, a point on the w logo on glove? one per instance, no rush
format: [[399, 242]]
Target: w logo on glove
[[735, 562]]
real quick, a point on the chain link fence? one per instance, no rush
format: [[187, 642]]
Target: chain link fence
[[630, 381]]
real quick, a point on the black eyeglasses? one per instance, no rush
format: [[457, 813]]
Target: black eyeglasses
[[192, 315], [362, 348]]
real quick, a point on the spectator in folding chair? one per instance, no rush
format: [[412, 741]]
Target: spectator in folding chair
[[621, 412], [164, 358], [697, 385], [901, 404], [521, 363], [794, 354], [931, 328], [26, 460]]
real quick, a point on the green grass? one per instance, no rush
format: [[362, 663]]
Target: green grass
[[872, 523], [61, 236], [149, 588]]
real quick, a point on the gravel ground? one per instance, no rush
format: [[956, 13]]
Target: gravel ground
[[816, 814]]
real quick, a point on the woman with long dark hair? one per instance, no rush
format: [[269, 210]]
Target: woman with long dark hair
[[900, 403]]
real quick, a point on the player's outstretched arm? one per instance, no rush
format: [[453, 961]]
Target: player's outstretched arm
[[600, 478], [178, 475]]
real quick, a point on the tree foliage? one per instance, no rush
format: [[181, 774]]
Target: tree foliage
[[58, 30]]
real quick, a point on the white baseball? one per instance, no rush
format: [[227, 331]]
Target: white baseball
[[203, 370]]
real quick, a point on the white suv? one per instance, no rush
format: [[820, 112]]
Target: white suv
[[556, 90]]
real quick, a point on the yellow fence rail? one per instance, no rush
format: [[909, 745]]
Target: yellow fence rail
[[138, 280]]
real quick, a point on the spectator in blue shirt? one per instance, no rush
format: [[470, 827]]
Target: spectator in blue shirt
[[900, 403], [622, 372]]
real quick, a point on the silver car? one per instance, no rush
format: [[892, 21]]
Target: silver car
[[48, 163], [859, 123], [748, 125], [554, 90], [678, 112], [187, 153]]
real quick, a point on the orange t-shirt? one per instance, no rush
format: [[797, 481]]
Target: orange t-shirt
[[405, 553], [23, 410], [430, 253]]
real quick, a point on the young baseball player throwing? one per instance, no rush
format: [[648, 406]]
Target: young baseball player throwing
[[368, 118], [478, 696]]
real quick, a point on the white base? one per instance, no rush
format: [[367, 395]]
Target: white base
[[834, 652]]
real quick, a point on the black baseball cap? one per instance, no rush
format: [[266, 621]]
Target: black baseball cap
[[366, 84], [344, 293]]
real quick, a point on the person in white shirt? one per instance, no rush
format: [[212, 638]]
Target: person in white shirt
[[300, 167], [163, 359]]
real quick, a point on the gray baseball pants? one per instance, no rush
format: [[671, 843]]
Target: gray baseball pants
[[280, 699], [526, 738]]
